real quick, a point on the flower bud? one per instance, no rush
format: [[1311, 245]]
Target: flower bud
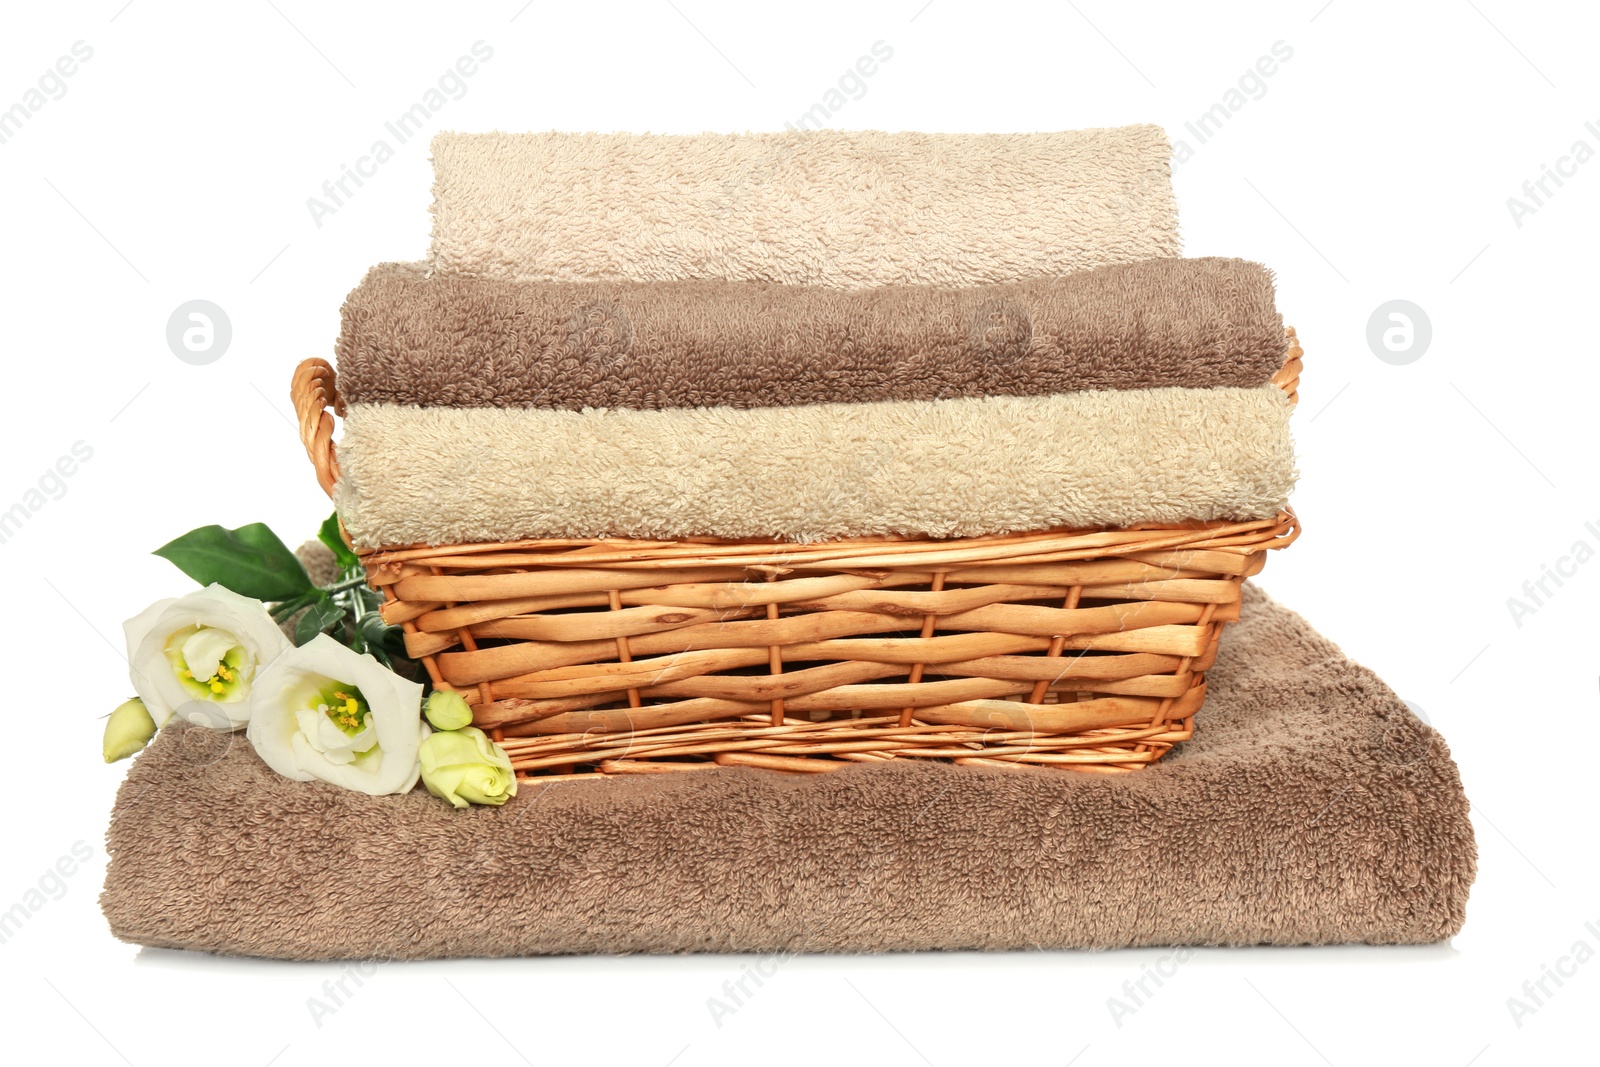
[[447, 710], [465, 767], [128, 729]]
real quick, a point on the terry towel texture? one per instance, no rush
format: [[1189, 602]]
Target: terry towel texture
[[947, 468], [1310, 808], [450, 341], [838, 208]]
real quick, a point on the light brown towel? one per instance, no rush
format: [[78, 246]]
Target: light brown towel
[[945, 468], [840, 208], [1310, 808], [408, 338]]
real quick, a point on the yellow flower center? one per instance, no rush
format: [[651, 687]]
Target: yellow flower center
[[217, 654], [345, 707]]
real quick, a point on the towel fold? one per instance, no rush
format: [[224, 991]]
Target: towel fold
[[847, 209], [408, 338], [946, 468], [1310, 808]]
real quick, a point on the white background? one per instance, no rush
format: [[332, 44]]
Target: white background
[[1377, 165]]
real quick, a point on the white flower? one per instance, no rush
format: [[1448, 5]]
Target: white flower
[[323, 712], [197, 656]]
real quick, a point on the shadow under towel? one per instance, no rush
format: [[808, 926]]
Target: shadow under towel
[[1311, 808]]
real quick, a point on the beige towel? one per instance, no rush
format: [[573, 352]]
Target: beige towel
[[946, 468], [837, 208]]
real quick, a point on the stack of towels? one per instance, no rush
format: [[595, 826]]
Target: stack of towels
[[806, 336], [809, 336]]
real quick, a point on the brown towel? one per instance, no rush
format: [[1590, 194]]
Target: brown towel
[[481, 342], [1311, 808]]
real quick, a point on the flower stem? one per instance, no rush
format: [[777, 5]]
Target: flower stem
[[286, 608]]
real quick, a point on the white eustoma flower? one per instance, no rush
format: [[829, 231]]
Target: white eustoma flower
[[197, 656], [323, 712]]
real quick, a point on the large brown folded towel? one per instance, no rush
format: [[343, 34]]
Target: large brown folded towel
[[1310, 808], [408, 338]]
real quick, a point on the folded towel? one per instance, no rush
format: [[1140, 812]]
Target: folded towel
[[1310, 808], [943, 468], [840, 208], [408, 338]]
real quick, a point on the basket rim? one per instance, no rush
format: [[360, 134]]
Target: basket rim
[[1037, 546]]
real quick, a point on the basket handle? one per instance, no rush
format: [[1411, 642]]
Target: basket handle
[[1288, 376], [314, 392]]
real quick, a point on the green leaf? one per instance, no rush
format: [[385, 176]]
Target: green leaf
[[322, 615], [251, 561], [330, 536]]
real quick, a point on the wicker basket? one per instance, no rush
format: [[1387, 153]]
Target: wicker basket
[[1081, 650]]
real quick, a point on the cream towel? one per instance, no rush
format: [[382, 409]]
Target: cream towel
[[944, 468], [837, 208]]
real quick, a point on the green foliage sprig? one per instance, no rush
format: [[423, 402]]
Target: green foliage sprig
[[254, 562]]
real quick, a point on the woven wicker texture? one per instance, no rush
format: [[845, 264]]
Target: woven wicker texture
[[1084, 650]]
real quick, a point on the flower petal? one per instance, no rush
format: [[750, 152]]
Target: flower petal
[[147, 633], [285, 742], [204, 649]]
